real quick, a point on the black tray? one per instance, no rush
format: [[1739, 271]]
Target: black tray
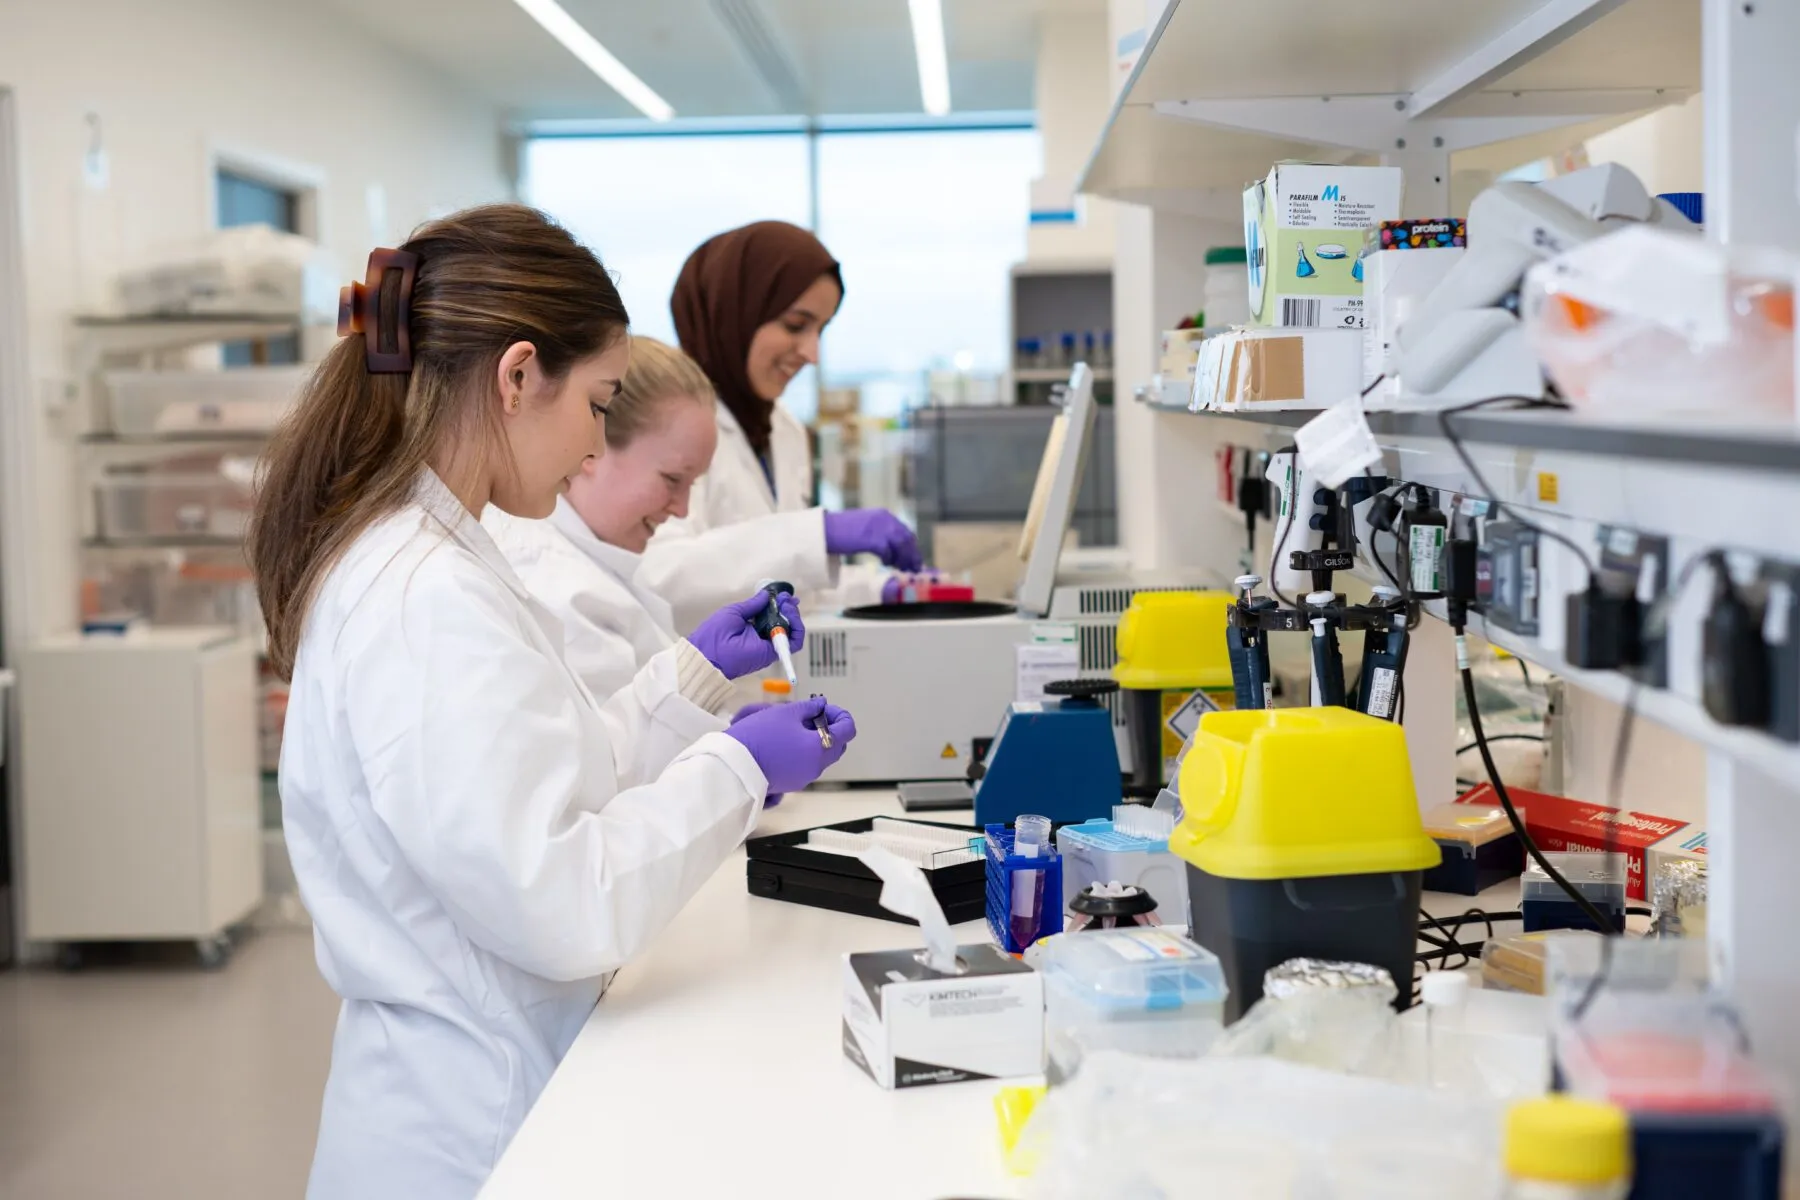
[[780, 867]]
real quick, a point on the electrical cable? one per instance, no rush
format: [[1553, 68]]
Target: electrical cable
[[1601, 921], [1450, 435], [1502, 737]]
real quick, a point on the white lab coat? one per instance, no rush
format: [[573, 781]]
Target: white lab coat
[[612, 624], [739, 532], [478, 842]]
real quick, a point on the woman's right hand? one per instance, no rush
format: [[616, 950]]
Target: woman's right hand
[[873, 531], [784, 744]]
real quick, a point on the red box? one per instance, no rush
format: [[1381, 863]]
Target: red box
[[1559, 823]]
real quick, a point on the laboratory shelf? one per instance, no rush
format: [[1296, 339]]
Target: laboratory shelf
[[190, 541], [1055, 374], [1219, 92], [177, 331]]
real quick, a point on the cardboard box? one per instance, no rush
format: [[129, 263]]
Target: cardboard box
[[906, 1025], [1394, 283], [1304, 227], [1179, 346], [1560, 823], [1274, 369]]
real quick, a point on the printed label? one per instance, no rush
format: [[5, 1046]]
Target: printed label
[[1425, 545], [1382, 691], [1146, 945], [1185, 717], [1546, 488]]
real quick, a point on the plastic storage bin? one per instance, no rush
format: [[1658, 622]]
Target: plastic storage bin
[[1227, 286], [1546, 906], [1302, 837], [1479, 845], [175, 403], [1098, 851], [1143, 991], [152, 504]]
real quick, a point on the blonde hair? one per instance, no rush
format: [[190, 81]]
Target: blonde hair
[[658, 374]]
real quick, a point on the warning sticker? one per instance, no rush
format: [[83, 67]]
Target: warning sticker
[[1186, 717], [1547, 488], [949, 751]]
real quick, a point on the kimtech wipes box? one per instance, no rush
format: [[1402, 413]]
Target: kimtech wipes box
[[908, 1025], [1303, 231]]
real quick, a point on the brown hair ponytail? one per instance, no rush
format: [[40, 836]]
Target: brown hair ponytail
[[354, 446]]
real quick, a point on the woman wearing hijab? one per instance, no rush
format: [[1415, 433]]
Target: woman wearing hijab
[[749, 307]]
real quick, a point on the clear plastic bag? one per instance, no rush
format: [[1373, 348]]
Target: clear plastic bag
[[1131, 1128]]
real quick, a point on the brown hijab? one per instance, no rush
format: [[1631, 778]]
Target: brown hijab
[[728, 288]]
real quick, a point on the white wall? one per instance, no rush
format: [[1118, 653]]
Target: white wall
[[1663, 148], [171, 82]]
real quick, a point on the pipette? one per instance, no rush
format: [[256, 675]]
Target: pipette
[[772, 625]]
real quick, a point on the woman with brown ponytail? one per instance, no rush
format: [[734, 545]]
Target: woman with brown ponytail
[[479, 843], [749, 306]]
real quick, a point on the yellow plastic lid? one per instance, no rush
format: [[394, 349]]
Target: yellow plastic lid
[[1174, 640], [1565, 1139], [1294, 793], [1013, 1106], [777, 687]]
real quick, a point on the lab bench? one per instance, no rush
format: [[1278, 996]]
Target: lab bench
[[713, 1064]]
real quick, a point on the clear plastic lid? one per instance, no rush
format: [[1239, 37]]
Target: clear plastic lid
[[1476, 824], [1599, 877], [1139, 969]]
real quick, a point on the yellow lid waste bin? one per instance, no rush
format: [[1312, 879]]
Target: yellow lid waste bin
[[1301, 833], [1173, 667]]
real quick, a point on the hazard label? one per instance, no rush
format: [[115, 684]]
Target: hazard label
[[949, 751]]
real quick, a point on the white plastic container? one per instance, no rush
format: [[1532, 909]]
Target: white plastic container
[[1142, 991], [159, 505], [239, 400], [1227, 287], [1097, 851]]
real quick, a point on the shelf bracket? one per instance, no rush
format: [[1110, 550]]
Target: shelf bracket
[[1543, 29]]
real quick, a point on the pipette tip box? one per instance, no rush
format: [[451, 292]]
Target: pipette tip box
[[1480, 849], [799, 868], [907, 1025]]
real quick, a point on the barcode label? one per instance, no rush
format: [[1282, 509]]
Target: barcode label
[[1299, 312], [1383, 693]]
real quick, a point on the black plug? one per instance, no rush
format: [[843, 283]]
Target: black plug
[[1603, 632], [1734, 658], [1384, 512], [1460, 584]]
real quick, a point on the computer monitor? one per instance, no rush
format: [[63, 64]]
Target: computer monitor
[[1053, 495]]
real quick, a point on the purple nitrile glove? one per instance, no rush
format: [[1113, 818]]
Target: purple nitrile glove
[[784, 745], [873, 531], [730, 642], [773, 798]]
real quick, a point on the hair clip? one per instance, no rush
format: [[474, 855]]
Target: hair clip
[[381, 310]]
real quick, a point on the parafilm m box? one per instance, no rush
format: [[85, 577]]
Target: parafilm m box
[[1303, 232], [1559, 823], [907, 1025]]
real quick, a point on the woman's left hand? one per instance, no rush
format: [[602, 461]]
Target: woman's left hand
[[730, 642]]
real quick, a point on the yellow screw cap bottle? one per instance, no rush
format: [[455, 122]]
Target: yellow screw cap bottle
[[1566, 1148]]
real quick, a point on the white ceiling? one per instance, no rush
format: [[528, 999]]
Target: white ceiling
[[721, 58]]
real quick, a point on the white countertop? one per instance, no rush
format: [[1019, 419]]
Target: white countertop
[[713, 1065]]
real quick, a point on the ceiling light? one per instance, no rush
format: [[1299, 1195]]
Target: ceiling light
[[597, 58], [934, 60]]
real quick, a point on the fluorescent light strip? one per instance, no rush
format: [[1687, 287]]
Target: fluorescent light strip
[[597, 58], [934, 60]]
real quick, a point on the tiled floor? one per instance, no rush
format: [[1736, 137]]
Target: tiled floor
[[163, 1081]]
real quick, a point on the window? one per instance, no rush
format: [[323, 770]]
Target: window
[[246, 201], [926, 225]]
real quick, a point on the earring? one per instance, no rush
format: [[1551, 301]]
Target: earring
[[512, 405]]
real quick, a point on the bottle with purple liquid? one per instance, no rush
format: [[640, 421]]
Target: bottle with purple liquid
[[1031, 839]]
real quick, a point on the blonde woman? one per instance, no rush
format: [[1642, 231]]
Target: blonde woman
[[583, 562]]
